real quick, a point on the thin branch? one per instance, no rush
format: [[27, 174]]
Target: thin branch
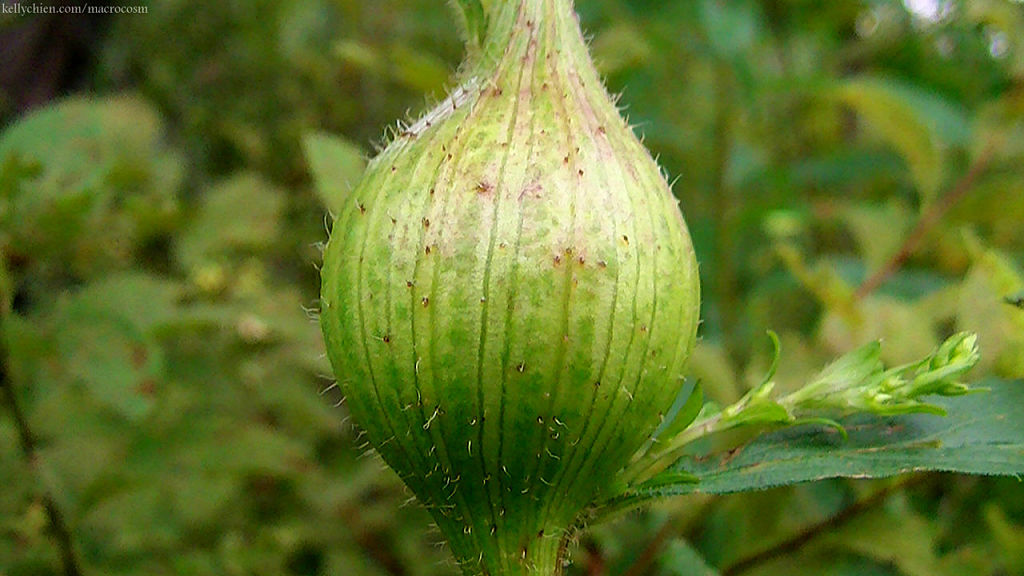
[[928, 221], [809, 533], [594, 563], [669, 529], [58, 525], [651, 551]]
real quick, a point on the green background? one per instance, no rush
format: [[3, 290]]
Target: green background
[[159, 238]]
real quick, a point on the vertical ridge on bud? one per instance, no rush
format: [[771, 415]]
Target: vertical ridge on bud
[[511, 295]]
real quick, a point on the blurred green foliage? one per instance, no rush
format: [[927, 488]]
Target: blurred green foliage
[[159, 242]]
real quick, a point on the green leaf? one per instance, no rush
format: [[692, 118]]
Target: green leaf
[[105, 341], [239, 216], [620, 46], [84, 182], [1009, 537], [890, 537], [418, 69], [992, 281], [731, 27], [999, 125], [336, 165], [472, 20], [149, 301], [118, 364], [879, 230], [680, 559], [691, 396], [80, 140], [853, 166], [982, 434], [917, 123], [889, 540]]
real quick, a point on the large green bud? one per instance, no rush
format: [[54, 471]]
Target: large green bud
[[510, 295]]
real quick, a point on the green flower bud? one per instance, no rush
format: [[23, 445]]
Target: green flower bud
[[510, 296]]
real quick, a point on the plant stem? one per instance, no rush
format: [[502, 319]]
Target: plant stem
[[58, 525], [672, 527], [650, 552], [812, 531]]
